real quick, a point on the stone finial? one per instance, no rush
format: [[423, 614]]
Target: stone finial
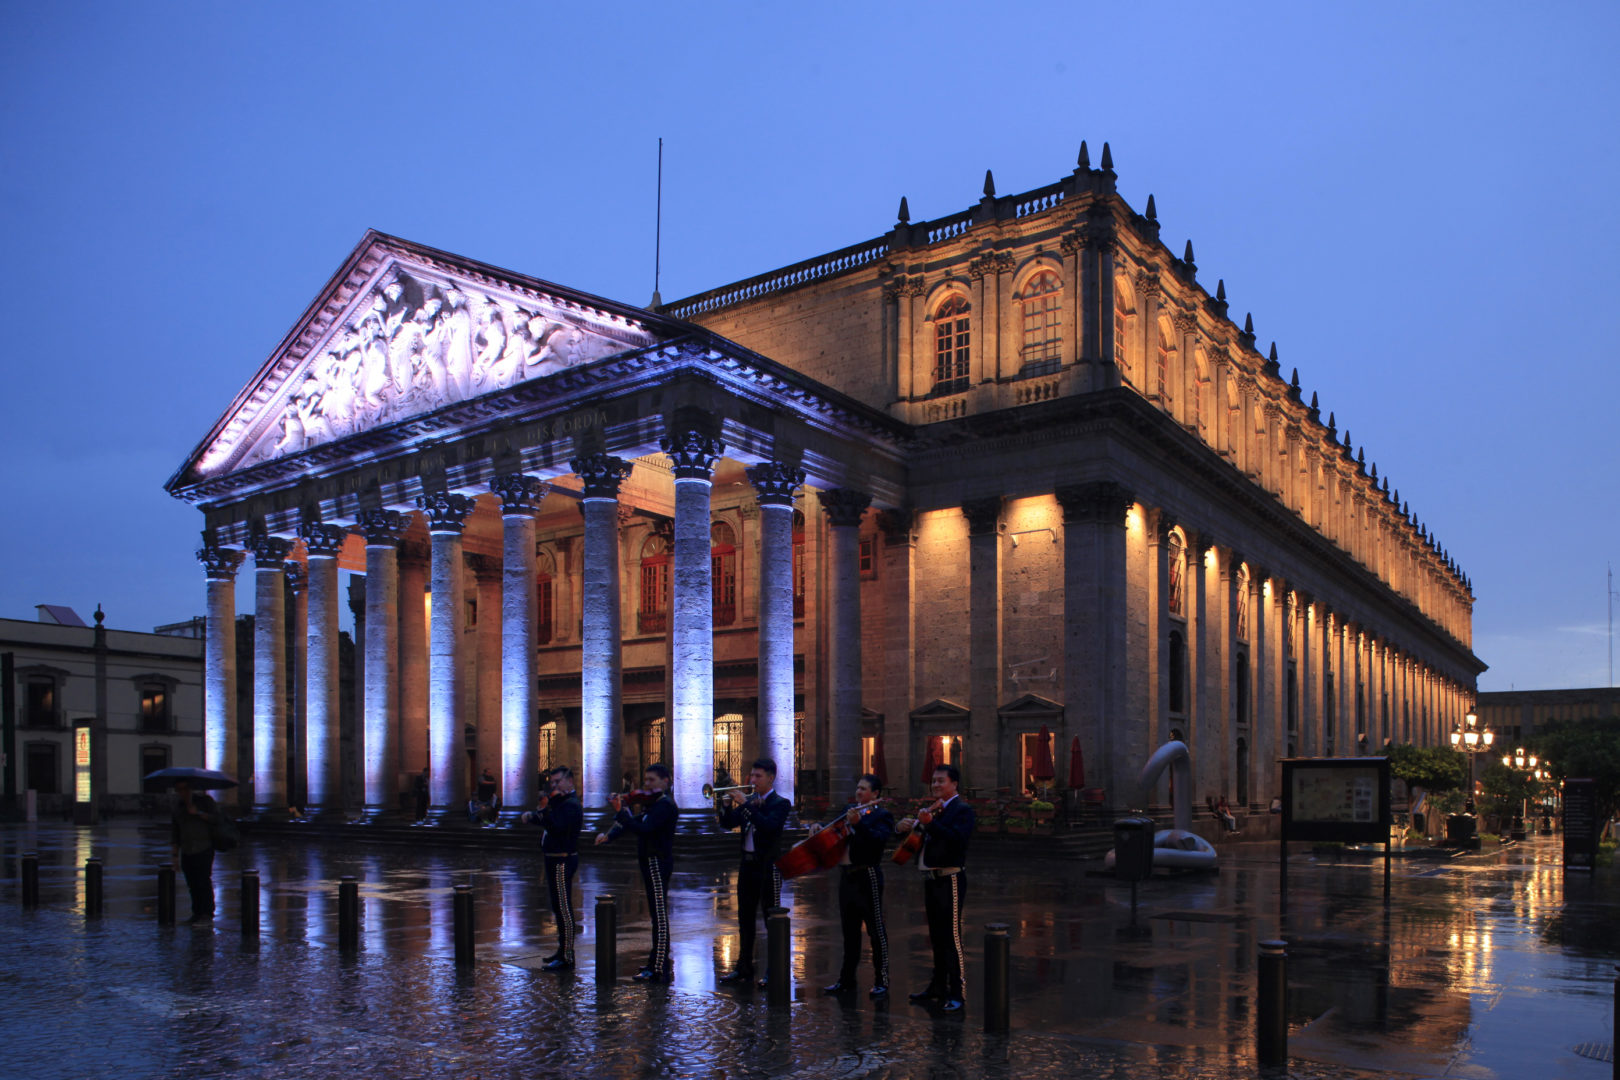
[[1187, 256], [446, 512], [1107, 162], [692, 453], [1347, 443], [382, 526], [1084, 161], [322, 541], [774, 482], [1333, 424], [1220, 286], [1248, 324], [100, 616], [989, 185], [905, 212], [1152, 211], [1272, 367], [601, 474], [844, 506], [1361, 459], [519, 493], [1314, 406]]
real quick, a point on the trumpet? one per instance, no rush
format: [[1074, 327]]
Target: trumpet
[[711, 792]]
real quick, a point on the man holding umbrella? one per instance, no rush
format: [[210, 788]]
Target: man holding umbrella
[[192, 839]]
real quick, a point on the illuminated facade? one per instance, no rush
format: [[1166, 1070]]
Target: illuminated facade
[[925, 494]]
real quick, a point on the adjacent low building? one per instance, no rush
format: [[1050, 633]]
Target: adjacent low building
[[1518, 715], [141, 694]]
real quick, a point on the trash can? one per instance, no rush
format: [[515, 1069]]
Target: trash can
[[1460, 828], [1133, 848]]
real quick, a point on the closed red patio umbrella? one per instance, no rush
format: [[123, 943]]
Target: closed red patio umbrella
[[880, 767], [1043, 770], [1077, 764], [931, 761]]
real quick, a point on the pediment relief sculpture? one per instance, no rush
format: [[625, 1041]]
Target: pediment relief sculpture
[[415, 342]]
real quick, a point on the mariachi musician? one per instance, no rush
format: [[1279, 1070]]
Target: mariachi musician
[[760, 813], [562, 817], [946, 827], [653, 822], [860, 887]]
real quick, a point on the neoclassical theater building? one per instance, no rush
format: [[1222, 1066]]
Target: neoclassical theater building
[[911, 500]]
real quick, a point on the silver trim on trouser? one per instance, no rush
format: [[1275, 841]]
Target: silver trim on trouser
[[956, 933], [565, 904], [881, 961]]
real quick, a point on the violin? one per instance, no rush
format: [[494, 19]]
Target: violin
[[913, 843], [641, 797]]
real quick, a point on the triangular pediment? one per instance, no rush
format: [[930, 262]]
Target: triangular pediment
[[402, 331], [939, 709], [1030, 705]]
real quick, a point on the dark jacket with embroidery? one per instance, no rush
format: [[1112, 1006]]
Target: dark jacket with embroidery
[[654, 829], [562, 819], [869, 836], [945, 839], [765, 816]]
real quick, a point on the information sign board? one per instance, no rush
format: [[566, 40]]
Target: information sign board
[[1336, 799], [1580, 824]]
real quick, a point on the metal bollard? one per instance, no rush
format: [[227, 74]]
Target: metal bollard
[[165, 903], [348, 913], [997, 978], [1271, 1019], [30, 879], [1614, 1009], [779, 981], [92, 888], [250, 903], [462, 928], [607, 939]]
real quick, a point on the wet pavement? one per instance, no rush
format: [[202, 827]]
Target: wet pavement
[[1490, 965]]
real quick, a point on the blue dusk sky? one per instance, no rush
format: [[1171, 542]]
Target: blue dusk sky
[[1416, 201]]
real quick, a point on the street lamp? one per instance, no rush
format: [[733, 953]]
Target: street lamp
[[1534, 768], [1471, 739]]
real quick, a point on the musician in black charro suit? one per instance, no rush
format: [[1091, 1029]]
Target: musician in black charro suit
[[860, 888], [760, 814], [653, 822], [562, 818], [944, 856]]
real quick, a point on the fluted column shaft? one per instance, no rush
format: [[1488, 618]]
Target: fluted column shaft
[[691, 627], [447, 669], [269, 674], [378, 751], [774, 484], [219, 651], [323, 747], [844, 509], [520, 500], [600, 715]]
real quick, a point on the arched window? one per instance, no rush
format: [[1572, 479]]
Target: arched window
[[548, 746], [728, 750], [1241, 689], [723, 568], [952, 341], [652, 614], [1243, 772], [1243, 602], [798, 565], [1124, 309], [1166, 356], [1178, 672], [1176, 558], [652, 746], [1042, 301], [544, 570]]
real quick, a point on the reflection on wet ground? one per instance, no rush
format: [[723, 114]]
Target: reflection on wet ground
[[1491, 965]]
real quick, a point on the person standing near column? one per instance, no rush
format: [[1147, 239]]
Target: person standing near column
[[653, 822], [946, 831], [860, 887], [760, 814], [562, 817], [192, 840]]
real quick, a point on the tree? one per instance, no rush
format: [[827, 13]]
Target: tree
[[1435, 769], [1588, 749], [1506, 790]]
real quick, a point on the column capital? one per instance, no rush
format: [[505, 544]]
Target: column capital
[[1202, 540], [844, 506], [898, 525], [1098, 501], [219, 563], [446, 512], [774, 482], [382, 526], [982, 514], [519, 492], [1163, 522], [323, 541], [268, 549], [297, 575], [601, 473], [692, 453]]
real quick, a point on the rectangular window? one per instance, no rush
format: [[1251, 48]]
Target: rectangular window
[[868, 558], [653, 616], [41, 771], [952, 346], [41, 704], [154, 758], [472, 613], [542, 614], [154, 710], [723, 580]]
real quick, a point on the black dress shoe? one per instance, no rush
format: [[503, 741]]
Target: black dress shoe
[[839, 987], [646, 974], [559, 963], [765, 983], [926, 995], [741, 975], [878, 992], [952, 1005]]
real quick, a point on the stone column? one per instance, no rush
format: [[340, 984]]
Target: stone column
[[691, 616], [1201, 632], [844, 508], [774, 484], [900, 645], [323, 760], [269, 674], [447, 757], [1157, 638], [487, 660], [1263, 728], [219, 656], [380, 732], [520, 761], [410, 650], [296, 620], [353, 720], [1094, 610], [984, 643], [1226, 723], [601, 717]]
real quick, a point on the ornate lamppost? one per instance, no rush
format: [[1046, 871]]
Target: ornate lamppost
[[1471, 739], [1537, 770]]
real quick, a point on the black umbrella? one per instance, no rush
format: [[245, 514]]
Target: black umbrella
[[200, 779]]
